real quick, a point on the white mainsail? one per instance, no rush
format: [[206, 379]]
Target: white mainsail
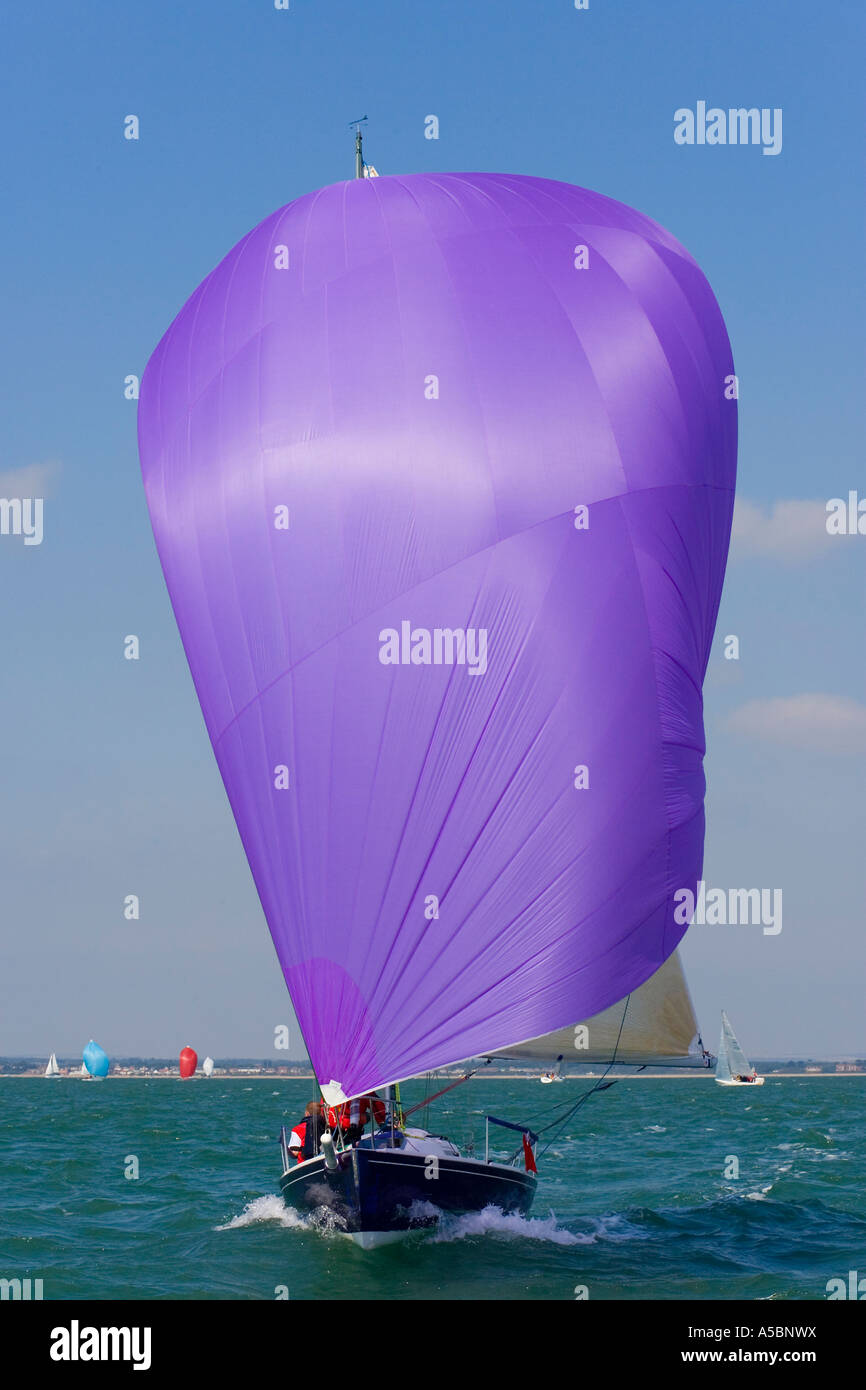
[[732, 1060], [52, 1069], [207, 1066], [653, 1026]]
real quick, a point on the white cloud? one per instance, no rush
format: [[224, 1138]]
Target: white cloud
[[792, 530], [32, 480], [827, 723]]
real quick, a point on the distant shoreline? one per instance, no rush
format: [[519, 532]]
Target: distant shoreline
[[684, 1075]]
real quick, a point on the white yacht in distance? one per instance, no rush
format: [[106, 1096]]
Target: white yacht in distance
[[733, 1067], [547, 1077], [52, 1069]]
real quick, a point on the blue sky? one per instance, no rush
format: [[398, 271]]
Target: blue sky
[[110, 786]]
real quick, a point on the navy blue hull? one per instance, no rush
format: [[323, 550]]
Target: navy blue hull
[[385, 1190]]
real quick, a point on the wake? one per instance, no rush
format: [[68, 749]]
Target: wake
[[272, 1208], [269, 1208], [489, 1222], [508, 1225]]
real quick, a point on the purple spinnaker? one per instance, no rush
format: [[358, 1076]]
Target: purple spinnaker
[[383, 408]]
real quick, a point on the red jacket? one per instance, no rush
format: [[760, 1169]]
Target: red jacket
[[297, 1137]]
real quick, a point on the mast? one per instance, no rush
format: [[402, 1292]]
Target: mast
[[359, 147]]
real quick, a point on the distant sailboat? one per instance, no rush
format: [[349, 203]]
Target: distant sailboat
[[733, 1067], [188, 1063], [52, 1069], [95, 1060], [83, 1071], [547, 1077], [207, 1066]]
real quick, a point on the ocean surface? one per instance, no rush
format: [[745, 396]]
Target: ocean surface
[[633, 1201]]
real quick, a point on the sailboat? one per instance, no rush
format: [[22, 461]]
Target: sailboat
[[207, 1066], [95, 1063], [444, 517], [547, 1078], [733, 1067], [654, 1026], [52, 1069]]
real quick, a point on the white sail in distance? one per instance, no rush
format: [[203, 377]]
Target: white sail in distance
[[52, 1069], [653, 1026], [732, 1060], [207, 1066]]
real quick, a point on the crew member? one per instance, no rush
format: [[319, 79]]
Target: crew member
[[304, 1138]]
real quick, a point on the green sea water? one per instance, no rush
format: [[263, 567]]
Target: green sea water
[[633, 1201]]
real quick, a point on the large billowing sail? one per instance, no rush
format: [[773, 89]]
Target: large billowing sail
[[732, 1061], [95, 1059], [441, 473], [654, 1026], [187, 1063]]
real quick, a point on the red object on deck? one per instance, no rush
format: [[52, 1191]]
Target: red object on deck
[[188, 1063]]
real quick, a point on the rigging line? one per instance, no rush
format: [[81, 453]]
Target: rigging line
[[428, 1100], [425, 1104], [600, 1085], [562, 1121]]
